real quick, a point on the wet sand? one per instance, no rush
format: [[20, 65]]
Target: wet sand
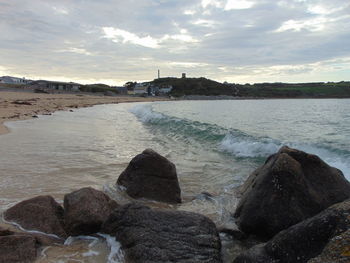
[[25, 105]]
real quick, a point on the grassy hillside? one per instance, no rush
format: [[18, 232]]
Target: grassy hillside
[[203, 86], [195, 86], [319, 90], [97, 88]]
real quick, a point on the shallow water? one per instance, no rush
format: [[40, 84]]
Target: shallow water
[[214, 144]]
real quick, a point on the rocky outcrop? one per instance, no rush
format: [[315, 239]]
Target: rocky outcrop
[[17, 248], [290, 187], [41, 213], [304, 240], [152, 176], [149, 235], [85, 211]]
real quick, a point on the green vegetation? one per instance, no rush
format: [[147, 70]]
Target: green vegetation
[[203, 86], [194, 86], [313, 90], [97, 88]]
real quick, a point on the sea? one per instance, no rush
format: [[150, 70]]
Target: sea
[[215, 145]]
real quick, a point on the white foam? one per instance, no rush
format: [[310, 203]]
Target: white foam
[[116, 255], [245, 147], [70, 240], [29, 231], [331, 158], [250, 147], [145, 113], [90, 253]]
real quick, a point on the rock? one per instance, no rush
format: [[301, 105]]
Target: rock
[[41, 239], [21, 102], [5, 232], [336, 251], [290, 187], [17, 249], [41, 213], [152, 176], [85, 211], [303, 241], [149, 235]]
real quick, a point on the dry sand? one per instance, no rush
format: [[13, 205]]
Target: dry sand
[[25, 105]]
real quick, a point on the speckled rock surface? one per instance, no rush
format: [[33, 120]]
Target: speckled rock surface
[[336, 251], [290, 187]]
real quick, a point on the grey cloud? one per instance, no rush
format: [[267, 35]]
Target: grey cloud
[[65, 38]]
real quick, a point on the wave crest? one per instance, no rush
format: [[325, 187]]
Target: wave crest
[[231, 141], [248, 147]]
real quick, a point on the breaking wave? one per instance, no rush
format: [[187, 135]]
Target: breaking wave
[[231, 141]]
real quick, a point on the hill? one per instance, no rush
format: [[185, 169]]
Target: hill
[[203, 86]]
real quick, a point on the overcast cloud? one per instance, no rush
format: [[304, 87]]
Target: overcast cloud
[[114, 41]]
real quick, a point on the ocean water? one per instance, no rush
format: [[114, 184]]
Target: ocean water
[[215, 145]]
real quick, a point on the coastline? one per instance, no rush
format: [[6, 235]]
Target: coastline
[[25, 105]]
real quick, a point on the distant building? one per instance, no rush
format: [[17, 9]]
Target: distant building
[[13, 80], [141, 88], [122, 90], [56, 85], [183, 75], [146, 88], [165, 89]]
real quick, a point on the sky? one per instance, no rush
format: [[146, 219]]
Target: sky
[[115, 41]]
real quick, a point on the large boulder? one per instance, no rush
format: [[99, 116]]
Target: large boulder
[[290, 187], [85, 211], [17, 249], [41, 213], [303, 241], [149, 235], [152, 176]]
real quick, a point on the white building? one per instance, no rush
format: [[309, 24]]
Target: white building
[[165, 89], [13, 80], [141, 88]]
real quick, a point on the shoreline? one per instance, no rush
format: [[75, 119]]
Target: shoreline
[[23, 105], [16, 105]]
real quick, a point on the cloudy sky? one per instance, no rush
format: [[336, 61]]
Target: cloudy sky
[[114, 41]]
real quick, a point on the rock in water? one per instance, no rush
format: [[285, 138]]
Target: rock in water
[[40, 213], [152, 176], [149, 235], [303, 241], [85, 211], [17, 249], [290, 187]]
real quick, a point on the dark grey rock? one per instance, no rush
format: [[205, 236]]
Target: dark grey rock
[[85, 211], [290, 187], [149, 235], [303, 241], [152, 176], [40, 213]]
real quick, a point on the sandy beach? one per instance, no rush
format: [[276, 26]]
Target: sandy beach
[[24, 105]]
